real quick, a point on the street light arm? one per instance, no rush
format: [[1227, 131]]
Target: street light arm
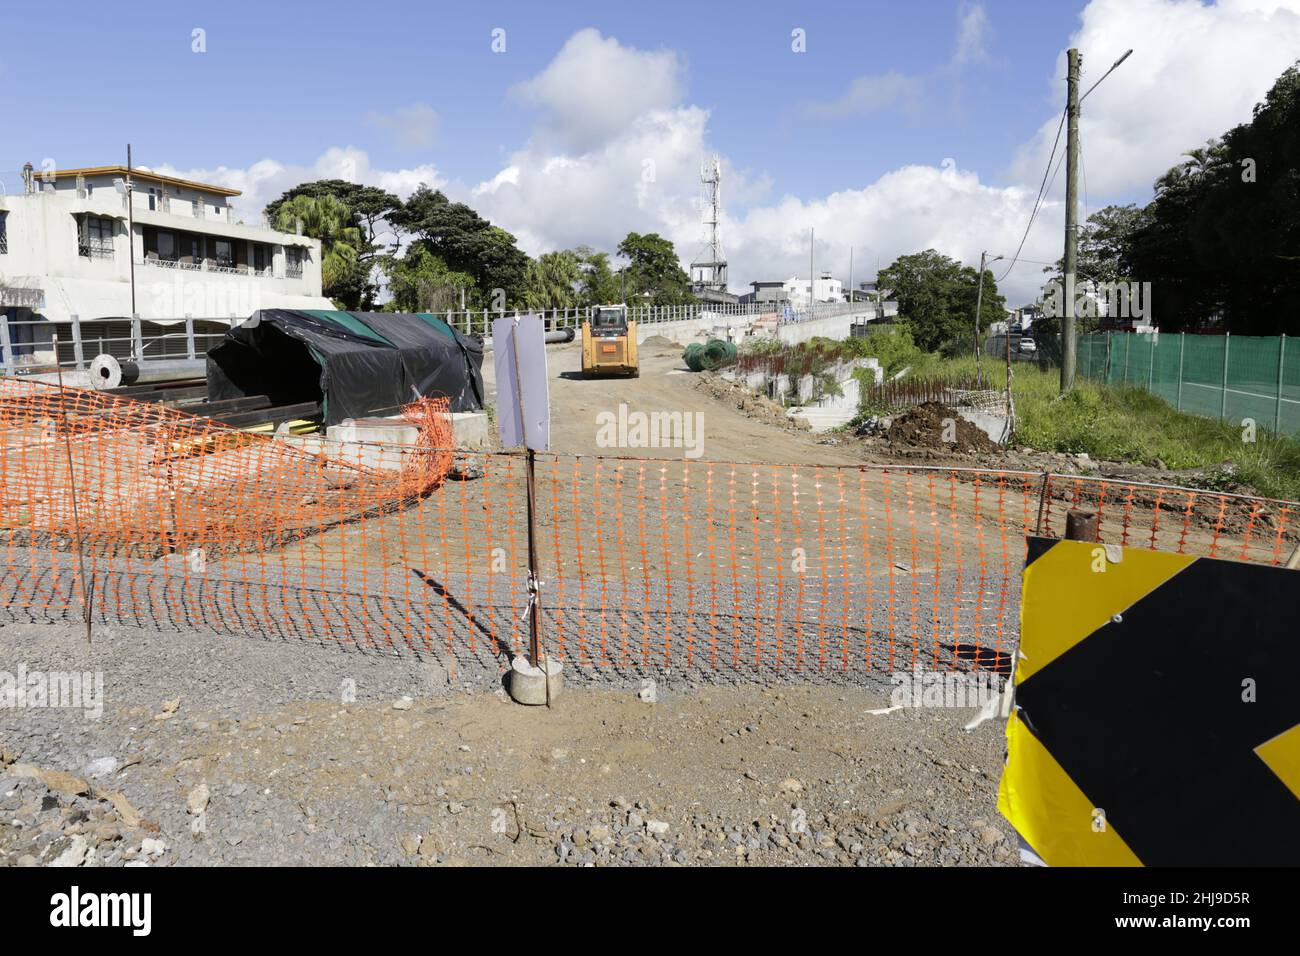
[[1106, 74]]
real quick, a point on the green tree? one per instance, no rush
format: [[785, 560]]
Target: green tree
[[1104, 243], [326, 218], [937, 296], [1220, 242], [421, 282], [598, 283], [370, 209], [551, 281], [654, 272], [467, 243]]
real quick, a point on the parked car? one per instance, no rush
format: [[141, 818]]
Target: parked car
[[1027, 345]]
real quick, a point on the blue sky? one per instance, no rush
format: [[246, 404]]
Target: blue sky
[[277, 80], [845, 136]]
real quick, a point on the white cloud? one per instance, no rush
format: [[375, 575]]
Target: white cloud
[[972, 35], [643, 176], [1196, 71], [415, 126], [595, 86], [608, 162], [267, 179], [907, 92], [868, 94]]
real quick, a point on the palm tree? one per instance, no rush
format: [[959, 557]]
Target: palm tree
[[328, 219], [551, 281], [1204, 159]]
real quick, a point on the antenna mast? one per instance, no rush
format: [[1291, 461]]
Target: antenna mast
[[709, 270]]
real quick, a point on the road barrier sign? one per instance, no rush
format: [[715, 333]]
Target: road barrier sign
[[1157, 720]]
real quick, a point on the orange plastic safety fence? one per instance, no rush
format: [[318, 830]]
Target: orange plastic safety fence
[[147, 516]]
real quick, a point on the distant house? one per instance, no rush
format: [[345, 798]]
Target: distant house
[[68, 247]]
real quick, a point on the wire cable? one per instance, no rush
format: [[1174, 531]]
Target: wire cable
[[1042, 191]]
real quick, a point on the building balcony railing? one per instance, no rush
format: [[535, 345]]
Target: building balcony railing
[[206, 265], [4, 244], [95, 248]]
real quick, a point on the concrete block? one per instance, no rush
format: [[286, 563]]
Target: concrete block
[[993, 424], [470, 429], [528, 684], [384, 431]]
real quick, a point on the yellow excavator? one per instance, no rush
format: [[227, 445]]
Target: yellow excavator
[[609, 343]]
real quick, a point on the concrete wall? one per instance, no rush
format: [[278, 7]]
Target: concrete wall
[[738, 326], [836, 327]]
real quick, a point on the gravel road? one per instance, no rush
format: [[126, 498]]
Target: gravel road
[[215, 749]]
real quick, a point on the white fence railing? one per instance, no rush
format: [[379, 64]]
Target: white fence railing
[[479, 322], [27, 346]]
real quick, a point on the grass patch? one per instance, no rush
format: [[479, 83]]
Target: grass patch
[[1123, 423]]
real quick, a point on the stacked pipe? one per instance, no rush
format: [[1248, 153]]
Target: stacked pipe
[[107, 372]]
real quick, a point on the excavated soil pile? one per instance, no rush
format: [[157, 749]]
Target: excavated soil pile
[[936, 426], [659, 342], [758, 407]]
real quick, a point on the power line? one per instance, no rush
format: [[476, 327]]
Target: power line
[[1037, 202]]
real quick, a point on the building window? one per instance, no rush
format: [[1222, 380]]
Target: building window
[[224, 253], [293, 262], [4, 234], [259, 257], [167, 246], [95, 240]]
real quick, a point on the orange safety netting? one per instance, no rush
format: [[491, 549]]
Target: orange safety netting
[[646, 564]]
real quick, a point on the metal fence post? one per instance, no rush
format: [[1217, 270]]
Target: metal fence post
[[1151, 363], [189, 336], [78, 354], [1223, 391], [1281, 364], [6, 347], [1182, 343]]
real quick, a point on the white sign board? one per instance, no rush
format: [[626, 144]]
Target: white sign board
[[519, 357]]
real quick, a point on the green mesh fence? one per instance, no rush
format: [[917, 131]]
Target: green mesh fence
[[1229, 377]]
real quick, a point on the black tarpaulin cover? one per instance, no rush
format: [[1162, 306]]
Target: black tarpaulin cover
[[354, 363]]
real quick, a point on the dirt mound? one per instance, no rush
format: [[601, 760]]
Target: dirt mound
[[937, 426], [659, 342], [758, 407]]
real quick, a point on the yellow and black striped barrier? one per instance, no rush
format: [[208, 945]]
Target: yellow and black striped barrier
[[1157, 717]]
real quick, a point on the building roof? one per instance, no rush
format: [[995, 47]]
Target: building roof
[[137, 173]]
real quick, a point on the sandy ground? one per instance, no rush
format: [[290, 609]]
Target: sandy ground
[[665, 385]]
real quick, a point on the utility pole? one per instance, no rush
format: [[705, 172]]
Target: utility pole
[[812, 283], [979, 302], [130, 229], [1068, 342]]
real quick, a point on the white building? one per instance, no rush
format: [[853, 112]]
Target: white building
[[823, 289], [71, 255]]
